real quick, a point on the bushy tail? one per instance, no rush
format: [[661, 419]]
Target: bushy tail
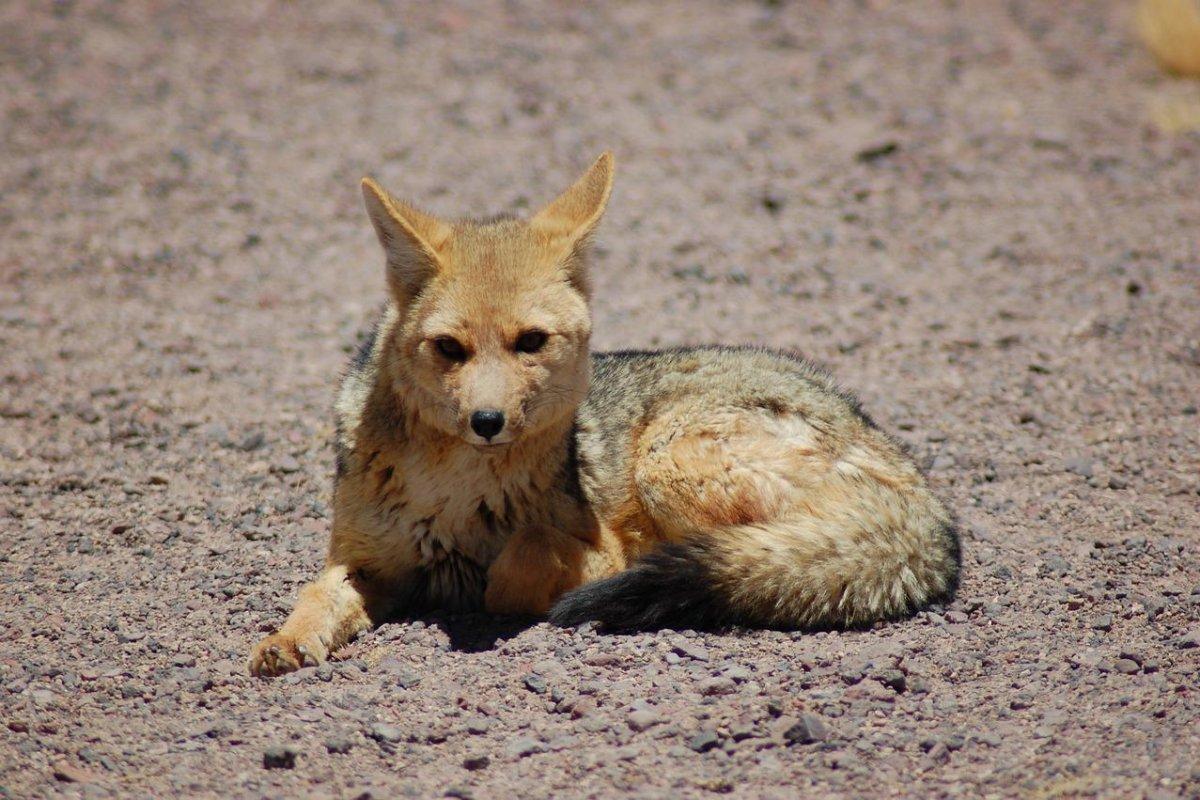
[[805, 573]]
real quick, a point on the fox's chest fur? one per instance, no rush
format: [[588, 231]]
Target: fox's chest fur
[[450, 503], [434, 514]]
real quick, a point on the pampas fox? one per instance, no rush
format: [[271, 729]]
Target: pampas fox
[[486, 460]]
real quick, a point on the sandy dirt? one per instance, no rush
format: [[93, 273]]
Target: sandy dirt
[[961, 208]]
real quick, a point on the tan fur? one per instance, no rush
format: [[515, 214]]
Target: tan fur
[[806, 514], [1171, 29], [539, 564]]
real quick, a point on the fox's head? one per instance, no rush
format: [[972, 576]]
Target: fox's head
[[492, 340]]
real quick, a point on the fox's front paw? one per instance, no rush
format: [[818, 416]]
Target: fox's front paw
[[281, 653]]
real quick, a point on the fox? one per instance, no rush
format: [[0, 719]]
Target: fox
[[487, 460]]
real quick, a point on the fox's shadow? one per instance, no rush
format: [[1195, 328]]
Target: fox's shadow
[[474, 632]]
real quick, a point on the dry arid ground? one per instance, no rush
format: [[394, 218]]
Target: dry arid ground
[[961, 208]]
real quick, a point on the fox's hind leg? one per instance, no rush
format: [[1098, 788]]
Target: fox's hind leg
[[538, 565], [770, 519], [330, 612], [698, 473], [704, 469]]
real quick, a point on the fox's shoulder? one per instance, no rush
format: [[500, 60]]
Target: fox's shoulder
[[358, 381]]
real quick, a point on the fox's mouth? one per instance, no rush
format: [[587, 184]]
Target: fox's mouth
[[491, 447], [493, 444]]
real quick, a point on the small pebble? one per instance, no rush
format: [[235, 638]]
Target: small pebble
[[894, 679], [808, 730], [1189, 640], [535, 683], [524, 746], [253, 441], [286, 465], [339, 745], [1082, 467], [1126, 666], [476, 762], [711, 687], [382, 732], [281, 756], [689, 649], [642, 719]]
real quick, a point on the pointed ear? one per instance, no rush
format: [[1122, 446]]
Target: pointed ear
[[575, 213], [411, 240]]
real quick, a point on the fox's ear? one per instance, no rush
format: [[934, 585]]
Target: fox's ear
[[411, 240], [574, 214]]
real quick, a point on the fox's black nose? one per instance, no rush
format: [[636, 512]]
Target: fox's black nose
[[487, 423]]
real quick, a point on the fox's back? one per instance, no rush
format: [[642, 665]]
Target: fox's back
[[628, 385], [633, 390]]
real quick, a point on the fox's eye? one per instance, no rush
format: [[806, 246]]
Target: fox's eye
[[531, 341], [450, 348]]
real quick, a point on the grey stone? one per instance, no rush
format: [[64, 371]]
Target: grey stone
[[280, 756], [642, 719], [689, 649], [894, 679], [287, 465], [475, 763], [710, 687], [253, 441], [1189, 640], [524, 746], [943, 462], [535, 683], [1126, 666], [1080, 465], [383, 732], [704, 741], [808, 730], [339, 745]]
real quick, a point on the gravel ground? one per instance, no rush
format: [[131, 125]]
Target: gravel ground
[[961, 207]]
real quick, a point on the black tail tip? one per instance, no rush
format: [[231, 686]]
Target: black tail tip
[[669, 588], [952, 542]]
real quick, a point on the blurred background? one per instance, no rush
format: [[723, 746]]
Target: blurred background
[[982, 214], [970, 181]]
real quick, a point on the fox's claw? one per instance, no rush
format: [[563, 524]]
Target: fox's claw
[[279, 654]]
